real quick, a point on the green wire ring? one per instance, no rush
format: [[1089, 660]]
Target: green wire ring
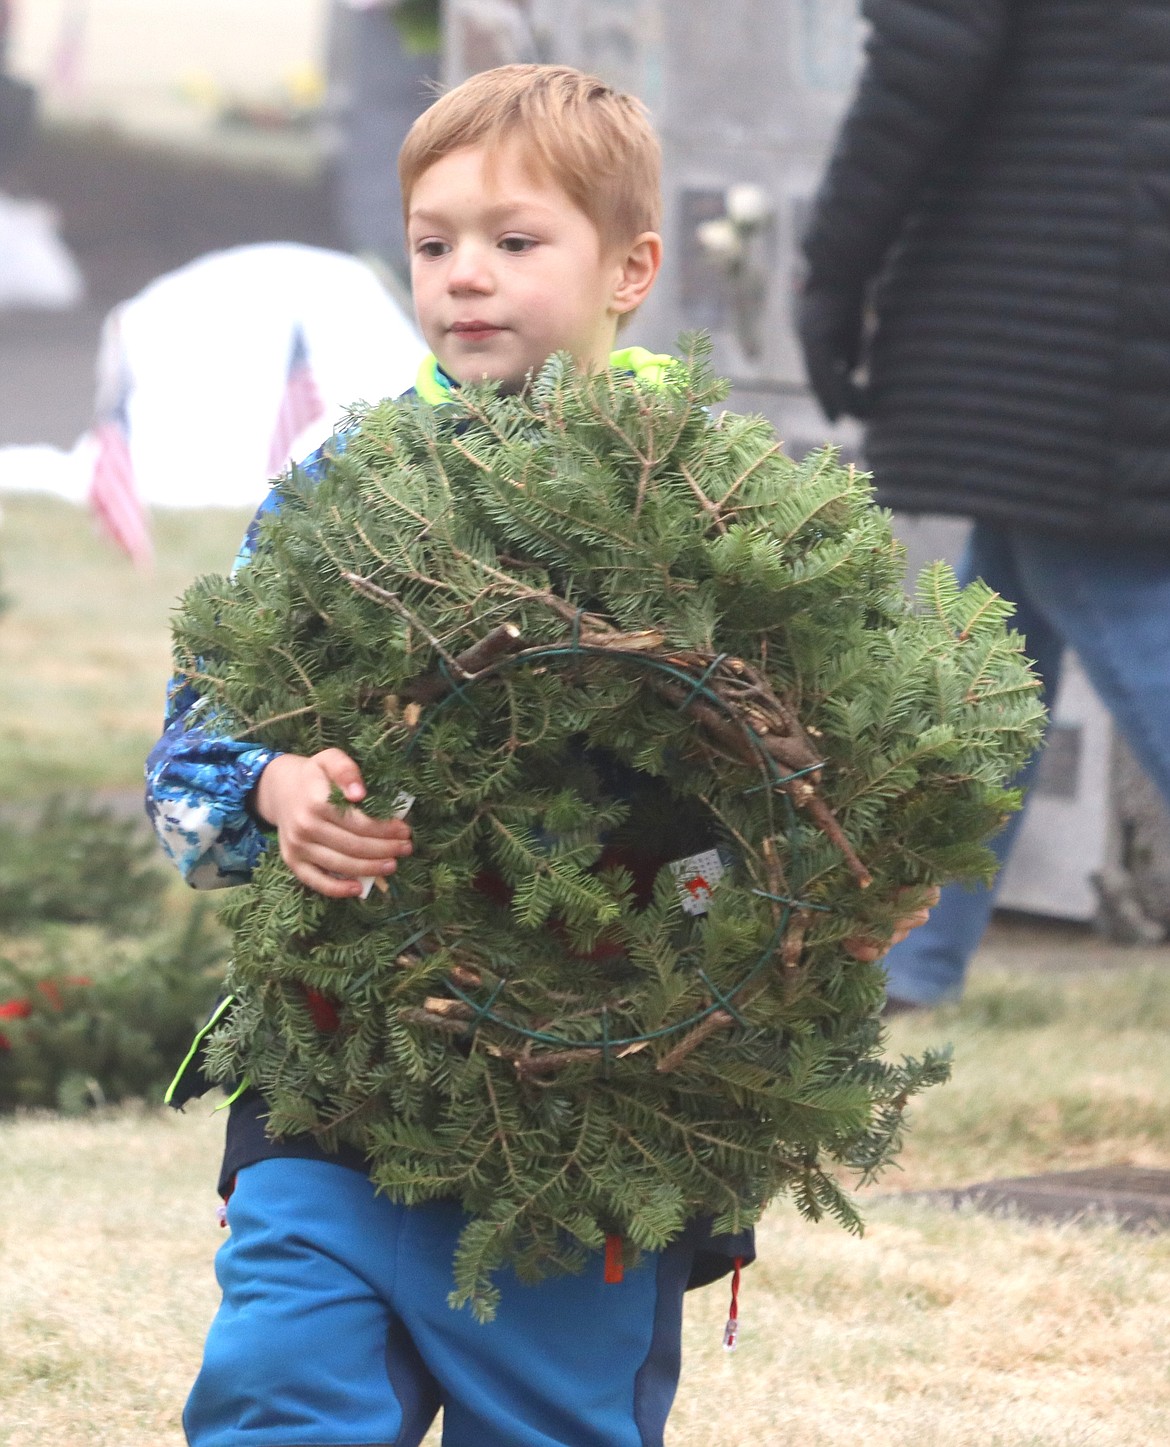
[[698, 688]]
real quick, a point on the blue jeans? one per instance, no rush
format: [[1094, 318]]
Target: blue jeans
[[1111, 604]]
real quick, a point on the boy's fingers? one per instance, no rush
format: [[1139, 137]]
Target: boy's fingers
[[335, 875], [342, 772], [863, 948], [344, 861], [358, 824], [325, 883], [358, 846], [348, 833], [929, 899]]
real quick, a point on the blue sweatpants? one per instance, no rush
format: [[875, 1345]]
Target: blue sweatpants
[[1111, 603], [334, 1331]]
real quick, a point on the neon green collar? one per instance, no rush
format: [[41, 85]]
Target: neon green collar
[[651, 368]]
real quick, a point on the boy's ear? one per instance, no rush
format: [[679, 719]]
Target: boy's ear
[[638, 272]]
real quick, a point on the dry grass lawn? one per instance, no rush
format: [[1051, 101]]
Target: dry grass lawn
[[936, 1329], [84, 641]]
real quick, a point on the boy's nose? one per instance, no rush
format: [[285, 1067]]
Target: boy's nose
[[469, 270]]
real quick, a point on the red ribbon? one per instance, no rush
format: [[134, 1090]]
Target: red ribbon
[[731, 1330], [615, 1268]]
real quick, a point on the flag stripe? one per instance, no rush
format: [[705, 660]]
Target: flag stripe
[[300, 405], [113, 495]]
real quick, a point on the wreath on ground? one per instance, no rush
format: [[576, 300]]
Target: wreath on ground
[[671, 735]]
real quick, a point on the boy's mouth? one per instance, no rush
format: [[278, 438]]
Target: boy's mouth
[[475, 330]]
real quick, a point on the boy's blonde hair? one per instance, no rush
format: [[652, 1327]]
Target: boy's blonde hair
[[594, 142]]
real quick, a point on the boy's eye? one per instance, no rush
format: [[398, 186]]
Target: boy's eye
[[517, 244], [432, 248]]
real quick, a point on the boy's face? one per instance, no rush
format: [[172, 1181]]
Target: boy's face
[[506, 270]]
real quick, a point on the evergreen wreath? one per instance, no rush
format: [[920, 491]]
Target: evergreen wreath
[[591, 631]]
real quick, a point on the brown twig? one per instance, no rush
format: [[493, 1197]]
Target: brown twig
[[717, 1020], [792, 945], [448, 1024], [448, 1009], [777, 732], [492, 646], [776, 885], [529, 1066]]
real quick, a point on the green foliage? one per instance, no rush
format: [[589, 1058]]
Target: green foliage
[[114, 1034], [529, 1021], [76, 864], [102, 991]]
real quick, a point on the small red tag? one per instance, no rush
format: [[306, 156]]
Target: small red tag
[[615, 1269]]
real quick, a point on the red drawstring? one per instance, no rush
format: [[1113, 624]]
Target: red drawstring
[[731, 1330], [614, 1266]]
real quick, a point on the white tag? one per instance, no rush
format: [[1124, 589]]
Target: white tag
[[695, 877], [402, 807]]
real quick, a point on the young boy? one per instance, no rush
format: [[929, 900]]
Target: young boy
[[532, 207]]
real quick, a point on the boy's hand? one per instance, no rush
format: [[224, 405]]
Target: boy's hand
[[865, 949], [319, 841]]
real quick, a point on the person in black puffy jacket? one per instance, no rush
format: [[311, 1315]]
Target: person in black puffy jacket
[[988, 287]]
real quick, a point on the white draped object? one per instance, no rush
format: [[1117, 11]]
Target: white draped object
[[206, 350]]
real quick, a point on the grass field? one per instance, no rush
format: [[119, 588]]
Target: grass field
[[936, 1329], [84, 642]]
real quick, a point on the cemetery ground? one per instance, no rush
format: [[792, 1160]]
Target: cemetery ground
[[937, 1328]]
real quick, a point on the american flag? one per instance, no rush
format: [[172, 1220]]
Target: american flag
[[300, 406], [113, 494]]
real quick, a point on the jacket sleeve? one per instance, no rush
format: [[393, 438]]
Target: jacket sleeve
[[198, 781], [927, 64]]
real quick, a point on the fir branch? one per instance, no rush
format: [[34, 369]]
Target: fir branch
[[749, 471], [383, 595], [266, 723], [702, 499]]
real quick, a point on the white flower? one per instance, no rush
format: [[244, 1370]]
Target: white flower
[[748, 205], [720, 239]]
